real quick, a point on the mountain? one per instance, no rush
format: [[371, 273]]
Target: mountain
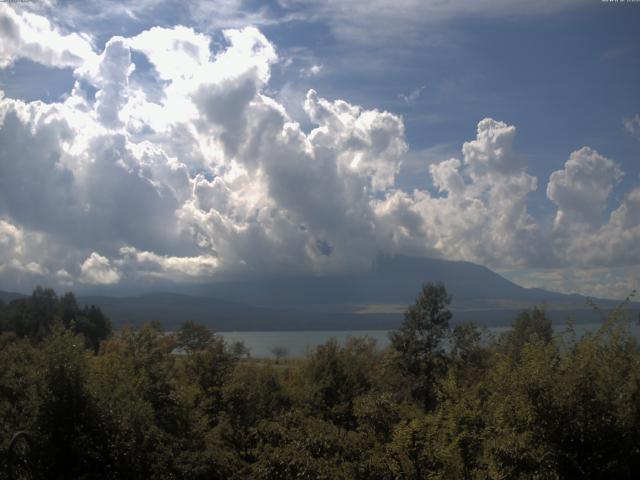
[[7, 297], [392, 280], [372, 300]]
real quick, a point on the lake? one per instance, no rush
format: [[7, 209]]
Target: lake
[[298, 343]]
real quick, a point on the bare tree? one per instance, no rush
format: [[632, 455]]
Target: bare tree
[[279, 352]]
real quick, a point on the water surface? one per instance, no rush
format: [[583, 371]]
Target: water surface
[[298, 343]]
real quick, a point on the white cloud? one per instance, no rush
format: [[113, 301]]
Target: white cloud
[[413, 95], [213, 177], [311, 71], [10, 237], [112, 79], [369, 142], [481, 214], [24, 256], [64, 278], [616, 243], [15, 257], [491, 152], [582, 188], [31, 267], [176, 52], [97, 270], [632, 125], [25, 35], [166, 266]]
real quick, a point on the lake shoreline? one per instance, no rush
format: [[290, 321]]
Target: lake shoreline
[[299, 342]]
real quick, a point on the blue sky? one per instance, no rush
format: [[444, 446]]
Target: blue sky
[[558, 79]]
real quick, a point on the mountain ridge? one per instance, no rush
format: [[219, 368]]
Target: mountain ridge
[[370, 300], [391, 280]]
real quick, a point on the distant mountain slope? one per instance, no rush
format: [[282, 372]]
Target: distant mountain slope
[[7, 297], [392, 280], [372, 300]]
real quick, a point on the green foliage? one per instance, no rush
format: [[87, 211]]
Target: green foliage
[[334, 376], [419, 342], [194, 336], [210, 368], [298, 446], [20, 382], [67, 428], [409, 454], [466, 347], [252, 394], [529, 326], [35, 317], [376, 415], [525, 406]]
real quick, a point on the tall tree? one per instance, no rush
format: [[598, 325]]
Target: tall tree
[[419, 341], [528, 325]]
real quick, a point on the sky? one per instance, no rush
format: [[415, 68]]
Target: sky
[[188, 142]]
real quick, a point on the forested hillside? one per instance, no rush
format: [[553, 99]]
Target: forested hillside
[[440, 402]]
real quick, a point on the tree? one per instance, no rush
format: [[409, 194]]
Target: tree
[[195, 336], [2, 314], [250, 395], [210, 368], [67, 427], [418, 343], [68, 309], [334, 376], [240, 350], [34, 317], [528, 326], [466, 347], [94, 325], [279, 352], [42, 305]]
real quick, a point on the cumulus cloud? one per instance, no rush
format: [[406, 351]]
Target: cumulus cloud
[[13, 252], [63, 278], [10, 237], [24, 256], [481, 214], [582, 187], [213, 177], [165, 266], [368, 142], [97, 270], [112, 80], [175, 52], [615, 243], [26, 35]]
